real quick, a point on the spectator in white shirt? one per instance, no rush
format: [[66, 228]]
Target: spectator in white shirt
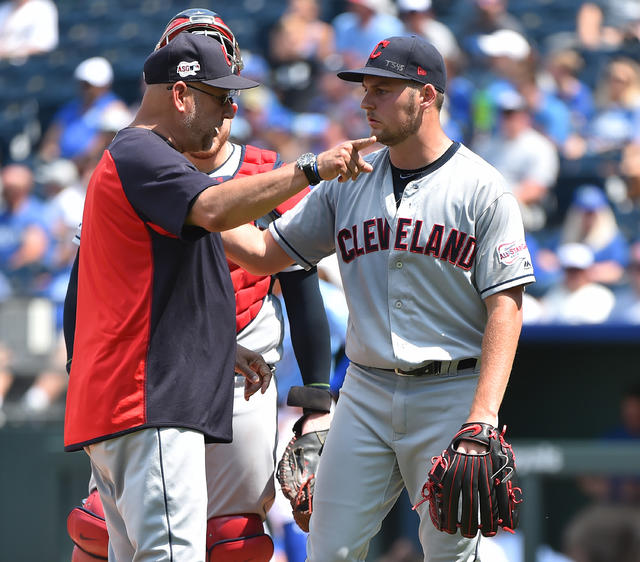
[[577, 300], [526, 158], [27, 27], [418, 18]]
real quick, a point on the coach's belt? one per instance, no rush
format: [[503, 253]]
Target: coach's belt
[[439, 367]]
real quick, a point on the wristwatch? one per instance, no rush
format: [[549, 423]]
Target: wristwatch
[[308, 163]]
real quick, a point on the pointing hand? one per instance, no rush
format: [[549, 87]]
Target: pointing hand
[[344, 161]]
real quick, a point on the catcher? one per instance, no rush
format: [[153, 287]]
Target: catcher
[[239, 492]]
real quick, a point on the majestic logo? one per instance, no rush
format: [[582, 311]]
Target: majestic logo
[[377, 50], [188, 68], [509, 252], [421, 71]]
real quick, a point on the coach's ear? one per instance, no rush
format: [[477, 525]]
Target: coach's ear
[[235, 108], [179, 95]]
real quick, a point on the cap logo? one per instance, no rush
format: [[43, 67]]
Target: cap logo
[[377, 50], [188, 68], [395, 65], [421, 71]]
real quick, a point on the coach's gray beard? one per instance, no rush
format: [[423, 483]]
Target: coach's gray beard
[[205, 138]]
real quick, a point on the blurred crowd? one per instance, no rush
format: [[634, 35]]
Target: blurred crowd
[[560, 118]]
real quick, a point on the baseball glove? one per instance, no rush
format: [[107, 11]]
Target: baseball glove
[[297, 473], [474, 491]]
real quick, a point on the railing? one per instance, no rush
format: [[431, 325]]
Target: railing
[[537, 460]]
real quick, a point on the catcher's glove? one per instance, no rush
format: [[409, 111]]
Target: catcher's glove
[[485, 482], [297, 473]]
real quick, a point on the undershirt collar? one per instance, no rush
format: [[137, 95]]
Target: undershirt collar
[[402, 177]]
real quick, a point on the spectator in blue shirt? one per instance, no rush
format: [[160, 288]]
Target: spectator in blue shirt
[[24, 238], [358, 30], [590, 220], [76, 125], [616, 121], [550, 115], [565, 67]]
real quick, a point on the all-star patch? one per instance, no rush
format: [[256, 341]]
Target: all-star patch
[[188, 68], [509, 252]]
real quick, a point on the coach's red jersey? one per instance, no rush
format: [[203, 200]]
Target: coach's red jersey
[[154, 344]]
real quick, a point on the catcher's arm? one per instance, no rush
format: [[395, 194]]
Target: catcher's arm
[[311, 343], [69, 314], [312, 346], [498, 351]]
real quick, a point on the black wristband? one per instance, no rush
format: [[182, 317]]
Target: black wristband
[[310, 398], [308, 163]]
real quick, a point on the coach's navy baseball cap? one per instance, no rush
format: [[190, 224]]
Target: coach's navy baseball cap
[[410, 58], [193, 58]]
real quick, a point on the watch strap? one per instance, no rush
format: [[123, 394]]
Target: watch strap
[[308, 163]]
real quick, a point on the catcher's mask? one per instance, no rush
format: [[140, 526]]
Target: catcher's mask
[[204, 22]]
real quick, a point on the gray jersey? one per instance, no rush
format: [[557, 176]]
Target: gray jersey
[[415, 277]]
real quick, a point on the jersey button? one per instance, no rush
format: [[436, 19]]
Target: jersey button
[[398, 304], [398, 265]]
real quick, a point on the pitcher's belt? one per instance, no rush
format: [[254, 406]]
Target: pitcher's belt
[[437, 368]]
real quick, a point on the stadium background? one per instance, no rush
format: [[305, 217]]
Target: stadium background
[[566, 384], [124, 31]]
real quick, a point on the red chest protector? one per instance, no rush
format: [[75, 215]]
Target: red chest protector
[[252, 289]]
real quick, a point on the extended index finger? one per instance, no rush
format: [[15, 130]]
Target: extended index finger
[[359, 144]]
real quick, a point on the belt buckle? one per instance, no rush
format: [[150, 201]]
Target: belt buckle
[[432, 368]]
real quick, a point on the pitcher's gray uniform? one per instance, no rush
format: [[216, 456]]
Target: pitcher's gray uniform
[[415, 278]]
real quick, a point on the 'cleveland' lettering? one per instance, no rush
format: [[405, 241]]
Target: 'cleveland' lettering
[[459, 249], [401, 234], [435, 241], [384, 231], [453, 246], [415, 248], [369, 236]]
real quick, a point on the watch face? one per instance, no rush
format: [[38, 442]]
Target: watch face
[[306, 159]]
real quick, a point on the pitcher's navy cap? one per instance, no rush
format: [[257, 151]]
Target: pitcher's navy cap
[[193, 58], [410, 58]]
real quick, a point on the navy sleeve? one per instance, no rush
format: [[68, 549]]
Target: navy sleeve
[[69, 310], [308, 323], [159, 182]]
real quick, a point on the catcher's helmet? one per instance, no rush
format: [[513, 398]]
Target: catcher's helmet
[[205, 22]]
